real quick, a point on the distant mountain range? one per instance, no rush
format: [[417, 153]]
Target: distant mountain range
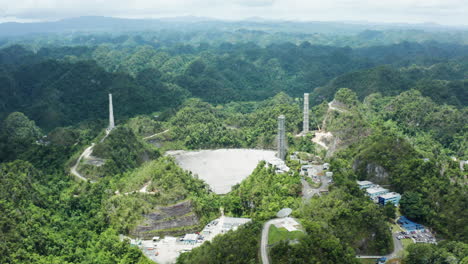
[[109, 24]]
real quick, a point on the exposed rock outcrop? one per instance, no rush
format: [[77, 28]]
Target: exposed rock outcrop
[[372, 171], [167, 220]]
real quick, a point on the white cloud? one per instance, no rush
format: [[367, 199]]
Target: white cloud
[[440, 11]]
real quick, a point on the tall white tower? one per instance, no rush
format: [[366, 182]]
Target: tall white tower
[[111, 114], [305, 129], [281, 138]]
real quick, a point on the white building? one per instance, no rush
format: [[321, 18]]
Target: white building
[[190, 238], [365, 184], [373, 192]]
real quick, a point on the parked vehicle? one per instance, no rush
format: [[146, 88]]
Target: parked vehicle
[[381, 260]]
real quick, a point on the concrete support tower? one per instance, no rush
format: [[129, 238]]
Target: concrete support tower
[[281, 138], [305, 129], [111, 114]]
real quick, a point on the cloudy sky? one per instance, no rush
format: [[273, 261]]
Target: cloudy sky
[[448, 12]]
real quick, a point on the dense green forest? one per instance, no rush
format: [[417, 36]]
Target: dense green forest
[[186, 32], [398, 117], [66, 85]]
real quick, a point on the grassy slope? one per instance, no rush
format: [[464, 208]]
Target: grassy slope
[[276, 234]]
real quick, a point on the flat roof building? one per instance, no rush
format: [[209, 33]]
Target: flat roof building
[[391, 197], [365, 184], [232, 223], [373, 192], [190, 238], [409, 225]]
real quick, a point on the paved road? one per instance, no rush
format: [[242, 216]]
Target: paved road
[[264, 243], [325, 183], [397, 248], [307, 190], [86, 153]]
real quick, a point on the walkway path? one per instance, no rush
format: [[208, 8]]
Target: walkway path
[[144, 189], [160, 133]]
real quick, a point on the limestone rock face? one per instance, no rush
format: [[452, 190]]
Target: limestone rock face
[[376, 171], [373, 172]]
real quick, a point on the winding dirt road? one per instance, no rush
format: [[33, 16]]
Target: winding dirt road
[[86, 153], [160, 133]]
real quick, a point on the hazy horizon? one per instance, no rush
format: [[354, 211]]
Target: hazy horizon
[[442, 12]]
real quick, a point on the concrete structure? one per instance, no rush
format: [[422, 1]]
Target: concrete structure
[[365, 184], [391, 197], [289, 224], [281, 137], [111, 114], [374, 192], [232, 223], [462, 164], [222, 168], [285, 212], [305, 129], [279, 164]]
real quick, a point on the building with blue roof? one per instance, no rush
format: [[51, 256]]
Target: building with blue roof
[[409, 225]]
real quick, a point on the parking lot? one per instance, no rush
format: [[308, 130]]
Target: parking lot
[[417, 232], [418, 236], [166, 250]]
